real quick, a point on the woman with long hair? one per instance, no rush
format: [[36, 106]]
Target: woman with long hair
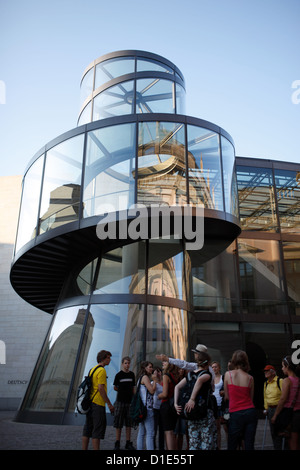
[[239, 390], [167, 410], [219, 394], [147, 389], [290, 397]]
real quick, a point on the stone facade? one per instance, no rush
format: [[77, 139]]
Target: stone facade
[[22, 326]]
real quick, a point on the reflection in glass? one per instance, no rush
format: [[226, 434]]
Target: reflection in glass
[[113, 68], [180, 99], [229, 176], [122, 271], [167, 332], [205, 183], [85, 280], [214, 282], [117, 328], [144, 65], [49, 388], [221, 339], [288, 198], [166, 269], [161, 164], [154, 95], [62, 184], [261, 276], [85, 116], [109, 173], [291, 253], [30, 203], [256, 198], [115, 101], [86, 88]]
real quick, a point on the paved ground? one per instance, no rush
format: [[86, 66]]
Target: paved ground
[[24, 436]]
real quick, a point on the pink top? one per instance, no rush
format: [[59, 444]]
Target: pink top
[[239, 396], [293, 391]]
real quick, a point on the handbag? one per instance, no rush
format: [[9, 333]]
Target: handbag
[[137, 409], [283, 422]]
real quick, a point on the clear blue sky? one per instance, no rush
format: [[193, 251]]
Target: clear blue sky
[[239, 59]]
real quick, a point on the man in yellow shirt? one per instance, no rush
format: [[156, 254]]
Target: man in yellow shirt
[[95, 424], [272, 394]]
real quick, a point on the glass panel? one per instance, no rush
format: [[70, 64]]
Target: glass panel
[[180, 99], [109, 173], [86, 87], [166, 269], [155, 96], [122, 271], [49, 387], [214, 283], [30, 203], [62, 184], [229, 175], [85, 280], [144, 65], [167, 332], [288, 198], [205, 181], [117, 328], [113, 68], [291, 253], [261, 277], [161, 164], [85, 116], [256, 199], [221, 339], [114, 101]]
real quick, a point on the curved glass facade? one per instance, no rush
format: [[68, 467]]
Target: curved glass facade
[[133, 146], [143, 296], [112, 167], [141, 83]]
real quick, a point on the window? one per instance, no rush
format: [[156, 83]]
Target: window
[[256, 199], [261, 276], [205, 176]]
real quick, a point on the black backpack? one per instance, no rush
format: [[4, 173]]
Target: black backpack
[[83, 402], [278, 383], [185, 395]]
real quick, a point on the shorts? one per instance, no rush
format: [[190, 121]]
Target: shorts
[[168, 416], [121, 415], [95, 422], [296, 421]]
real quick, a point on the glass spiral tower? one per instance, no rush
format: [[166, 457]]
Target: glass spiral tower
[[133, 145]]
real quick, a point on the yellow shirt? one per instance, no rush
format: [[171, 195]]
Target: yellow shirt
[[272, 392], [99, 377]]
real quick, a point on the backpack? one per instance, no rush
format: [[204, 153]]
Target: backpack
[[201, 405], [137, 409], [278, 383], [83, 402]]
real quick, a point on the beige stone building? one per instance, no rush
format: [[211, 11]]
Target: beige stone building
[[22, 327]]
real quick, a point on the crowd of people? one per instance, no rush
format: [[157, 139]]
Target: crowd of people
[[228, 400]]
